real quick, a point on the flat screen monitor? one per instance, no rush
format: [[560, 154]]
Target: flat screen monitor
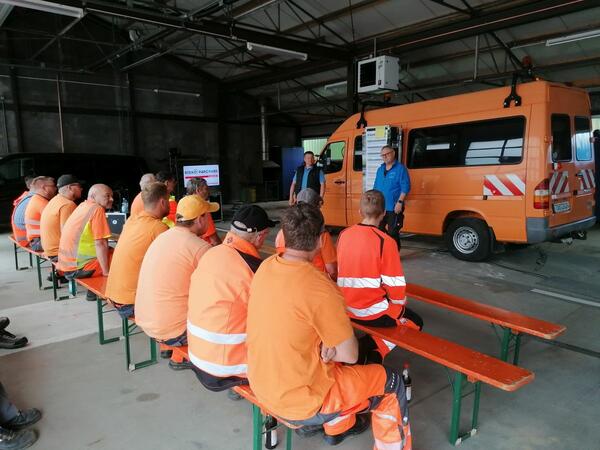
[[210, 172]]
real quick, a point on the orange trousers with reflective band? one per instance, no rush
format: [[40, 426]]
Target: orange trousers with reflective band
[[94, 265], [354, 387]]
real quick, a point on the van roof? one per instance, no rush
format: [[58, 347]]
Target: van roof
[[486, 100]]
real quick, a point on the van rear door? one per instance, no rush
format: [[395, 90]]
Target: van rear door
[[334, 165], [571, 181]]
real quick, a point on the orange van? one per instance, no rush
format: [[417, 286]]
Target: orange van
[[480, 173]]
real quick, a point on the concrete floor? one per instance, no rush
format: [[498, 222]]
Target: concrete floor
[[90, 400]]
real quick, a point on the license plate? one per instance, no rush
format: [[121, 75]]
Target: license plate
[[561, 207]]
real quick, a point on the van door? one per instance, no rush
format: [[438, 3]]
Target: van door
[[334, 168], [571, 182]]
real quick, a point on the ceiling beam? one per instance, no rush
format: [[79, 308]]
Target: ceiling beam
[[402, 41], [230, 32]]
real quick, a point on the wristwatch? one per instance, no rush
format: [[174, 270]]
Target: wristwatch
[[400, 201]]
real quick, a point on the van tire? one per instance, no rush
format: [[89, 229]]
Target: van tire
[[468, 239]]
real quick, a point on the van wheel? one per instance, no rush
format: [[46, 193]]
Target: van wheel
[[468, 239]]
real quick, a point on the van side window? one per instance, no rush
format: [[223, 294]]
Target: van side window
[[332, 157], [561, 138], [358, 154], [488, 142], [583, 146]]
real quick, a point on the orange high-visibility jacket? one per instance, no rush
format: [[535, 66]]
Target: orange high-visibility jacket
[[33, 216], [218, 307], [19, 232], [370, 273]]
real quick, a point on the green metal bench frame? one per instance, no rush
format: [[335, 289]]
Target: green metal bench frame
[[101, 306], [129, 329], [259, 423], [18, 249], [458, 383]]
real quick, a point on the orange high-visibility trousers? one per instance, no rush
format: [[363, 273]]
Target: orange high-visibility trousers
[[361, 389]]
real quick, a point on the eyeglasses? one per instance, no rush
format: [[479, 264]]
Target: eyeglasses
[[383, 155]]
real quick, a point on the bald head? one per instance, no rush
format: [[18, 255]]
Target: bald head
[[147, 179], [101, 194]]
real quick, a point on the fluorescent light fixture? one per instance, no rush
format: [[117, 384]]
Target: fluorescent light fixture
[[573, 38], [251, 46], [50, 7], [335, 85]]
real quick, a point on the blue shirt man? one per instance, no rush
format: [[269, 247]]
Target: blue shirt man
[[393, 182]]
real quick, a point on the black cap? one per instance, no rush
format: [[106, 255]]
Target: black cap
[[251, 218], [65, 180]]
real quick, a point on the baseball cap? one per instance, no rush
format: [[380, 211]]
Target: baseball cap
[[251, 218], [309, 196], [65, 180], [193, 206]]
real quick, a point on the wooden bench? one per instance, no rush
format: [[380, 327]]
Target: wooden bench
[[513, 324], [128, 326], [20, 249], [263, 421], [470, 367]]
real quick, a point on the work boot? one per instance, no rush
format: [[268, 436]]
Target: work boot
[[23, 419], [180, 365], [362, 424], [10, 341], [16, 440], [4, 322], [307, 431], [166, 354], [90, 296]]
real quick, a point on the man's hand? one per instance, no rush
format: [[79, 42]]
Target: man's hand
[[398, 207], [292, 201], [328, 353]]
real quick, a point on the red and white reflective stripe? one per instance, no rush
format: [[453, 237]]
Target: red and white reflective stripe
[[398, 302], [503, 185], [559, 183], [354, 282], [216, 338], [377, 308], [587, 180], [219, 370], [393, 281], [389, 344]]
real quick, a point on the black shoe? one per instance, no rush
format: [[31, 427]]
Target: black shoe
[[308, 430], [166, 354], [362, 424], [232, 395], [91, 297], [23, 419], [10, 341], [180, 366], [16, 440], [4, 322]]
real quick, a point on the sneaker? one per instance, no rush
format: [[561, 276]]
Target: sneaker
[[16, 440], [4, 322], [308, 430], [23, 419], [232, 395], [166, 354], [362, 424], [10, 341], [180, 365]]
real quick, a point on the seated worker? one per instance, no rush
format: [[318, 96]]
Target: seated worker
[[326, 258], [17, 218], [138, 233], [301, 348], [161, 299], [169, 180], [45, 190], [198, 186], [56, 213], [137, 206], [371, 278], [218, 301], [27, 179], [83, 250], [13, 424]]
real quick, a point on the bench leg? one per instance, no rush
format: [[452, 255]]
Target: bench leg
[[257, 421], [55, 286], [100, 305], [16, 248], [38, 266], [508, 337], [72, 287], [457, 396], [127, 333], [288, 439], [30, 260]]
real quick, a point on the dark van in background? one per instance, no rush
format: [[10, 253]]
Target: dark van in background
[[122, 173]]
